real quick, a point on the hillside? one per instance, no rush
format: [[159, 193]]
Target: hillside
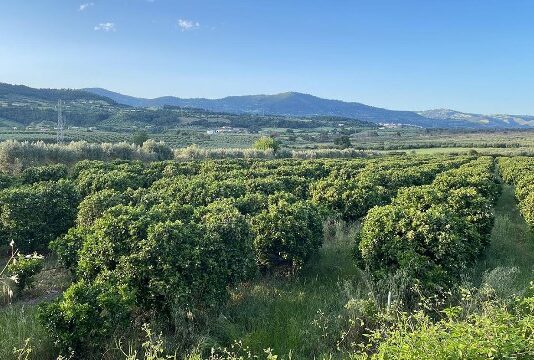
[[496, 120], [290, 103], [25, 106], [298, 104], [22, 106]]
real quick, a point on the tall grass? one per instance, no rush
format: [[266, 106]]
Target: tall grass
[[508, 263], [19, 323], [298, 316]]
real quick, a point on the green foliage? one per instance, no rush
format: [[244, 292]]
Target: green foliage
[[24, 267], [87, 315], [432, 232], [44, 173], [140, 137], [267, 143], [343, 142], [34, 215], [166, 260], [165, 241], [94, 205], [433, 246], [68, 245], [287, 234], [520, 172], [160, 149], [497, 332], [6, 181], [118, 178]]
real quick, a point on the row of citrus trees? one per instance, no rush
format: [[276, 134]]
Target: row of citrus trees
[[432, 233], [519, 171], [165, 240], [488, 327]]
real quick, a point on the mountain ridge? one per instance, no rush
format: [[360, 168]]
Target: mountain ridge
[[299, 104]]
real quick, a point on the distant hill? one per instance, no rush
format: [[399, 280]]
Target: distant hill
[[25, 106], [290, 103], [21, 106], [479, 119], [298, 104], [21, 91]]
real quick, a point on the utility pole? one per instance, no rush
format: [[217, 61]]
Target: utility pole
[[60, 136]]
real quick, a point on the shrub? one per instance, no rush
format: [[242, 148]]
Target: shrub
[[34, 215], [86, 316], [44, 173], [267, 143], [287, 234], [94, 205], [68, 245], [24, 267], [6, 181], [90, 181], [433, 246], [497, 332], [348, 199], [137, 261]]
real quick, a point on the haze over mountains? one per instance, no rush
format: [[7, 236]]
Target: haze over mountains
[[298, 104]]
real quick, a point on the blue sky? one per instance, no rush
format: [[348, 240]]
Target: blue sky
[[467, 55]]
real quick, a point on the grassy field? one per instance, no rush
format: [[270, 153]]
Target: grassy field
[[509, 261]]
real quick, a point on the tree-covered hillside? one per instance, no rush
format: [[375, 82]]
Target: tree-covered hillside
[[23, 106]]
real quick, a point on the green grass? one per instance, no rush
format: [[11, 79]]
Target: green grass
[[19, 323], [296, 315], [510, 257]]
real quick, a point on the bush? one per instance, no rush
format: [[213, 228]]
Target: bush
[[6, 181], [287, 234], [34, 215], [44, 173], [267, 143], [24, 267], [86, 316], [497, 332], [162, 261], [68, 245], [94, 205], [433, 246]]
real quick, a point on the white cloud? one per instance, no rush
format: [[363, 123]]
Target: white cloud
[[85, 6], [107, 27], [187, 25]]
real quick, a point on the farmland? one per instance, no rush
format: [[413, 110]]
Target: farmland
[[239, 258]]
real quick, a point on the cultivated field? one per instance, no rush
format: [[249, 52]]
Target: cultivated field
[[400, 256]]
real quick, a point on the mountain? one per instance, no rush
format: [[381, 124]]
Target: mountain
[[298, 104], [22, 106], [496, 120], [290, 104], [9, 91]]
